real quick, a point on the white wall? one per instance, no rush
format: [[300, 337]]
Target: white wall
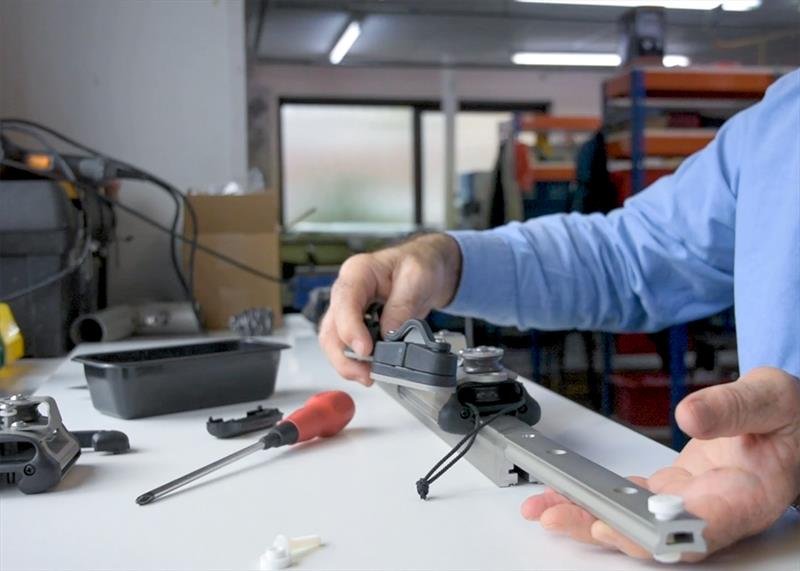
[[158, 83], [571, 92]]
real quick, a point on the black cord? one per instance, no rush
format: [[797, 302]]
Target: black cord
[[424, 483], [144, 218], [177, 196]]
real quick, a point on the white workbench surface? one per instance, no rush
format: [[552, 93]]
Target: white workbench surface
[[356, 490]]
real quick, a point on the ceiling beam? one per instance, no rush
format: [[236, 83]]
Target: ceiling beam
[[401, 64], [714, 18]]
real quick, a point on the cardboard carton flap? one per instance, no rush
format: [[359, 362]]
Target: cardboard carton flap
[[249, 213]]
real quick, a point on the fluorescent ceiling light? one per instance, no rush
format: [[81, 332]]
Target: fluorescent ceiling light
[[566, 59], [570, 59], [345, 42], [731, 5], [741, 6], [676, 61]]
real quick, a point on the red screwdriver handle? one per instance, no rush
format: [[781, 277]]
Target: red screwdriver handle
[[324, 414]]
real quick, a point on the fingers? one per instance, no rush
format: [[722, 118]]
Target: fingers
[[762, 401], [733, 502], [351, 293], [403, 279], [557, 514], [668, 480], [533, 508], [570, 520], [603, 534], [333, 347]]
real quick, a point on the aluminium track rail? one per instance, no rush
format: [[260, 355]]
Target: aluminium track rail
[[510, 452]]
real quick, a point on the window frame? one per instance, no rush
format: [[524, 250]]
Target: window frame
[[417, 107]]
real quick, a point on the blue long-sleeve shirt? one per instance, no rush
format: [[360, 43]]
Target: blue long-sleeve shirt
[[724, 228]]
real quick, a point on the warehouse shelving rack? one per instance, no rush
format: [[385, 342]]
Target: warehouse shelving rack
[[628, 100], [541, 124], [544, 171]]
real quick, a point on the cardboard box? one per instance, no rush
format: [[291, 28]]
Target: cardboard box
[[246, 229]]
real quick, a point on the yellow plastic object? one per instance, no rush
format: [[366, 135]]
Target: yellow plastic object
[[69, 189], [12, 346]]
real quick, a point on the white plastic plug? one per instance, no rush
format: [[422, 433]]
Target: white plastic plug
[[673, 557], [280, 554], [665, 506]]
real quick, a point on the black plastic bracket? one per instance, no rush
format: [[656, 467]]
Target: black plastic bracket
[[256, 419], [426, 365]]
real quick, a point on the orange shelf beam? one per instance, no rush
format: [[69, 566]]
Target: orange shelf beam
[[661, 142], [540, 122], [553, 173], [708, 83]]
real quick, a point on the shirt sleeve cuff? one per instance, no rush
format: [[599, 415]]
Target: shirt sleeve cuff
[[486, 261]]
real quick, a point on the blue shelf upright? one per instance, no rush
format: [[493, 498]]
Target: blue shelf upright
[[677, 334]]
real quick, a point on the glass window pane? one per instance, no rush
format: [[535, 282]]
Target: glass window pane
[[351, 163], [477, 144]]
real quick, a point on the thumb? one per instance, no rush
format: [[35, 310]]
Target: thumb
[[762, 401]]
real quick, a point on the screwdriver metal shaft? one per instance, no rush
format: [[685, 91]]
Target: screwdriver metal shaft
[[323, 415], [156, 493]]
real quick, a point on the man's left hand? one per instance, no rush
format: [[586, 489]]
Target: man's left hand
[[739, 473]]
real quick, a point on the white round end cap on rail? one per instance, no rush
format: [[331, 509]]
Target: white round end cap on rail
[[673, 557], [665, 506]]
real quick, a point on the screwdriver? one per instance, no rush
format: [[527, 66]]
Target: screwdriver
[[323, 415]]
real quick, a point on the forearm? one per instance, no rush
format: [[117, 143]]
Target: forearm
[[586, 272]]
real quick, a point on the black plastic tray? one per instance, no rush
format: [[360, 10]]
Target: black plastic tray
[[148, 382]]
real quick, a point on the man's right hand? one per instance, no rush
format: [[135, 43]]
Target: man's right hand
[[411, 279]]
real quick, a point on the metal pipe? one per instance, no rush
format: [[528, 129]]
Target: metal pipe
[[110, 324], [165, 318], [115, 323], [450, 110]]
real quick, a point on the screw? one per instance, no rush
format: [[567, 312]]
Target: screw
[[7, 410], [19, 424], [665, 506], [29, 470], [465, 413]]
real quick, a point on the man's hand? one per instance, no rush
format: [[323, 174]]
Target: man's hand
[[411, 279], [740, 471]]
